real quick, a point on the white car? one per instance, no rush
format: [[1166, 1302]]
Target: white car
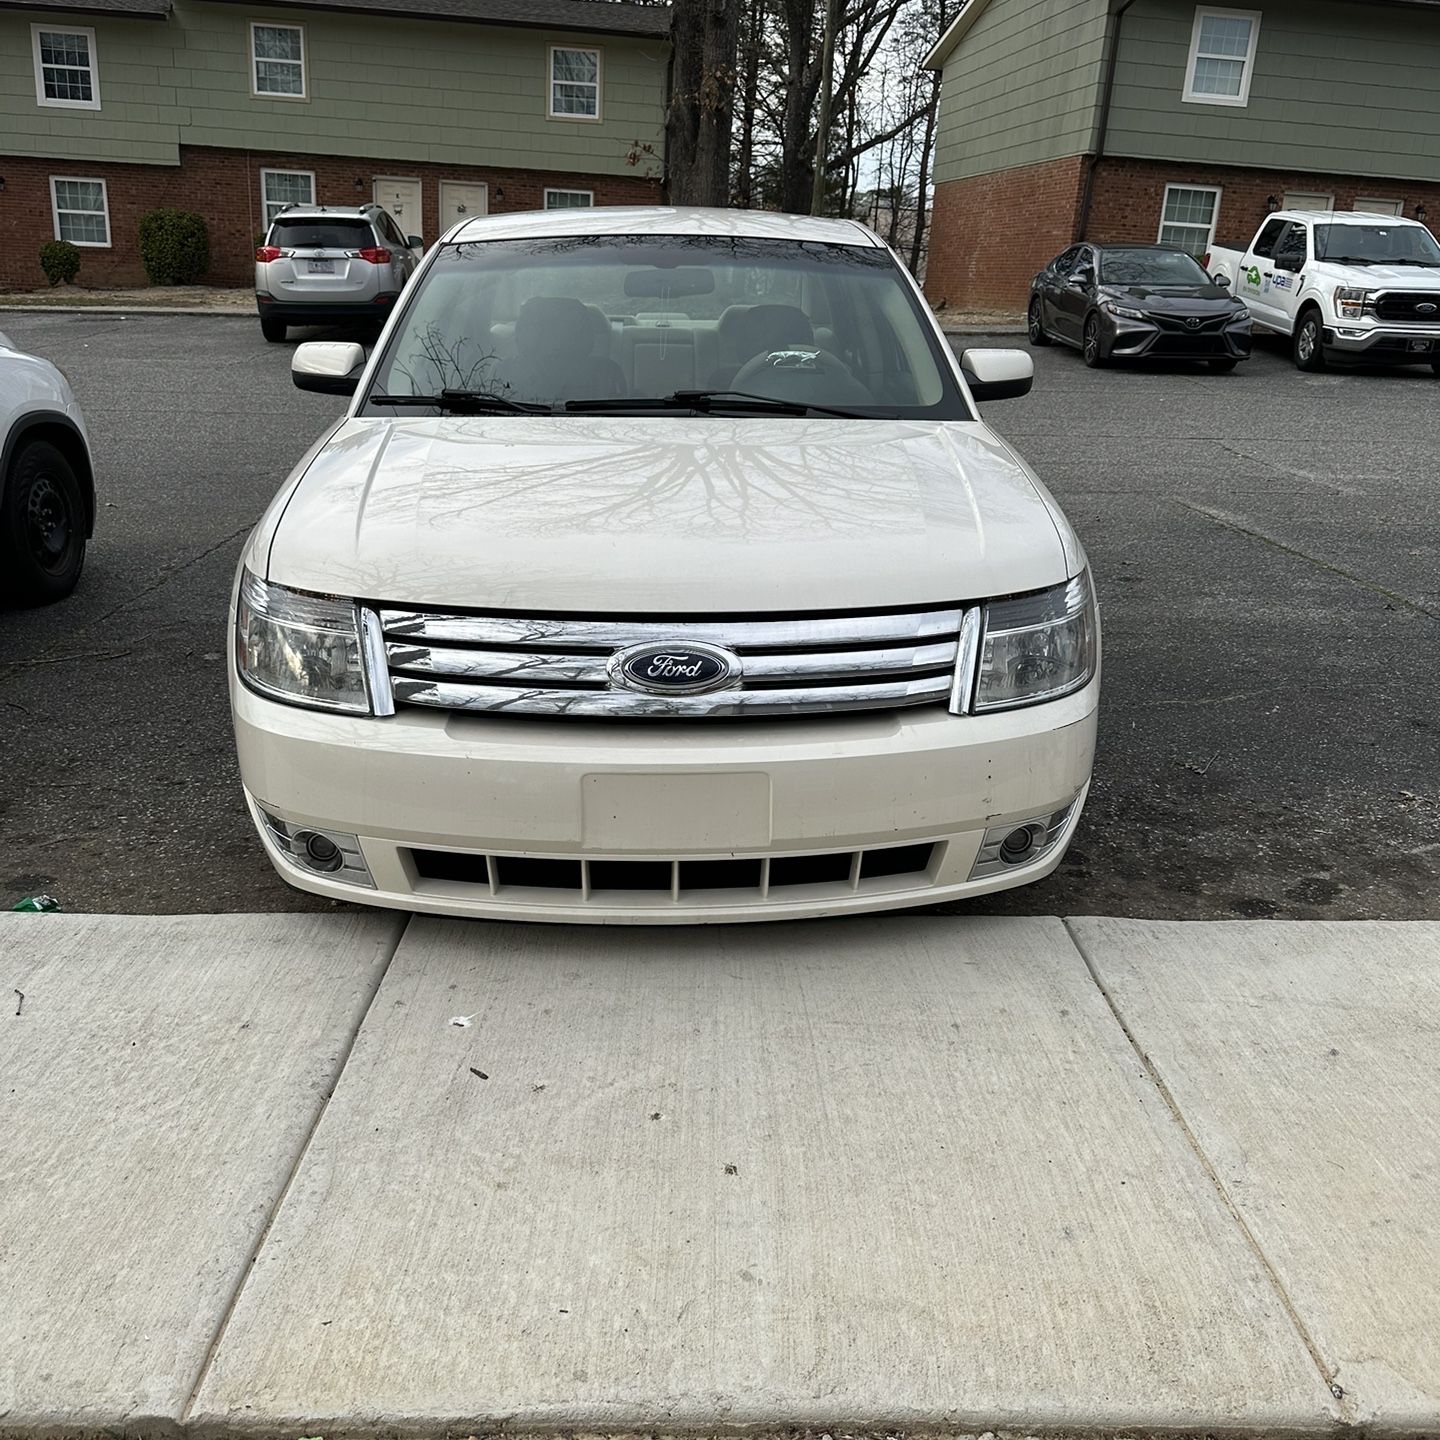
[[47, 481], [1341, 284], [662, 570]]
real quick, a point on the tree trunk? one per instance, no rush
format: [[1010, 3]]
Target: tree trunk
[[704, 37], [802, 80], [922, 188], [745, 160]]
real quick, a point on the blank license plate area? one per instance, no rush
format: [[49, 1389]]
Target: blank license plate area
[[321, 267]]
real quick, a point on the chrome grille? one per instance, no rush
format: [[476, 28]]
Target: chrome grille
[[557, 666]]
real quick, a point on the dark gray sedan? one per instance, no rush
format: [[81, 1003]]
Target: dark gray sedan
[[1131, 302]]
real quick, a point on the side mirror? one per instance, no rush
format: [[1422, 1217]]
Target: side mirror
[[330, 367], [1223, 281], [1081, 280], [414, 242], [998, 374]]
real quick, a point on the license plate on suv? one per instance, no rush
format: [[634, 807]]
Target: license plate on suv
[[322, 267]]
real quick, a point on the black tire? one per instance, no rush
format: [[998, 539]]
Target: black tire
[[1090, 345], [1435, 366], [42, 526], [1037, 324], [1223, 367], [1308, 342], [273, 330]]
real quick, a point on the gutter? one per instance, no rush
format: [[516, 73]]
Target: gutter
[[1107, 97]]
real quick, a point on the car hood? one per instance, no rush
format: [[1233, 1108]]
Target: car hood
[[639, 515], [1377, 277], [1174, 299]]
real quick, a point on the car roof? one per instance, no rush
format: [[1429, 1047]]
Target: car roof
[[661, 220], [326, 212]]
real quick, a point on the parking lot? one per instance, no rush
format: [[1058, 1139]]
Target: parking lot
[[1266, 547]]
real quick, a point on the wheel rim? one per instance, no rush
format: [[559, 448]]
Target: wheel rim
[[1034, 319], [49, 525], [1092, 340], [1306, 343]]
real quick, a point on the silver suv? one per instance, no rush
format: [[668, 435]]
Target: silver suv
[[320, 264]]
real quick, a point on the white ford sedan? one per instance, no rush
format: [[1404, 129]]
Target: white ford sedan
[[662, 570]]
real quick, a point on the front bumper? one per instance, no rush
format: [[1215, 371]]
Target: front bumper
[[478, 790], [1126, 339], [1386, 344], [320, 312]]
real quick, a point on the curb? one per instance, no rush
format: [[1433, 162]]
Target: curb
[[985, 329], [122, 310]]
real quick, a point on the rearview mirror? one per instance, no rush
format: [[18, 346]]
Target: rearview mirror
[[998, 374], [331, 367]]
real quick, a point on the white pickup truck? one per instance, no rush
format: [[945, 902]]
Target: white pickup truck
[[1341, 284]]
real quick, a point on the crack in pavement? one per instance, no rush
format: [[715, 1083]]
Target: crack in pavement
[[1233, 522]]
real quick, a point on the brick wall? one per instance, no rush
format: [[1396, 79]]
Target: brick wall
[[224, 187], [991, 233], [1129, 196]]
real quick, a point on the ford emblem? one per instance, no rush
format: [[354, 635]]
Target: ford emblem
[[680, 669], [1426, 309]]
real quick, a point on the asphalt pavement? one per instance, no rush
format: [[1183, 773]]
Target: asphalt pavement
[[1266, 547]]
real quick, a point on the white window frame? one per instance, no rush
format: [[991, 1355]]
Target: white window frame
[[1294, 197], [41, 98], [1243, 98], [1216, 190], [561, 190], [256, 93], [1373, 205], [550, 83], [105, 210], [268, 219]]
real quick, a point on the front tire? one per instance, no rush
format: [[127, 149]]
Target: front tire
[[273, 330], [1309, 343], [42, 526], [1090, 347], [1038, 336]]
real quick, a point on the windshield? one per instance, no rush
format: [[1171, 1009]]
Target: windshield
[[1377, 244], [1150, 267], [613, 318]]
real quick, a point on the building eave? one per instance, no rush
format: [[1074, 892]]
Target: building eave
[[958, 29], [581, 17]]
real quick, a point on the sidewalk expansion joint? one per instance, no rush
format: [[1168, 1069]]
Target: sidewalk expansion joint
[[1327, 1373], [296, 1165]]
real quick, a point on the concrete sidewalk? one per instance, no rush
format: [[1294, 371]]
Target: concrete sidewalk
[[338, 1175]]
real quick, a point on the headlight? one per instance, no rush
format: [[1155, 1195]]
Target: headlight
[[1038, 647], [1124, 311], [1352, 304], [299, 647]]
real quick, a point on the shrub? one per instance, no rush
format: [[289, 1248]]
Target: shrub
[[174, 247], [60, 260]]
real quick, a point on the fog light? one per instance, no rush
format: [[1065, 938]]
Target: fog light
[[1020, 842], [318, 852]]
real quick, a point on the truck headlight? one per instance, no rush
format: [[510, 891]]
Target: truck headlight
[[302, 648], [1038, 647], [1353, 304]]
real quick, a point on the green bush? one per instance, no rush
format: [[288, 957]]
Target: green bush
[[60, 260], [174, 247]]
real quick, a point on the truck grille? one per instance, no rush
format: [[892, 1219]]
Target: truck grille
[[1404, 306], [554, 666]]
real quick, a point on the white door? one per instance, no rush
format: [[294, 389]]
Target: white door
[[461, 202], [402, 198]]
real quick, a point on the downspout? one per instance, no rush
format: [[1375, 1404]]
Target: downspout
[[1103, 132]]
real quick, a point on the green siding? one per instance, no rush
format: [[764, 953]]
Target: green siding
[[398, 90], [1021, 87], [1348, 89]]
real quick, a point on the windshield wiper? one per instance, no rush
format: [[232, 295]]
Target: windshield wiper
[[468, 402], [706, 402], [1349, 260]]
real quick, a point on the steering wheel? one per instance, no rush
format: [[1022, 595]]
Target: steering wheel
[[802, 373]]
